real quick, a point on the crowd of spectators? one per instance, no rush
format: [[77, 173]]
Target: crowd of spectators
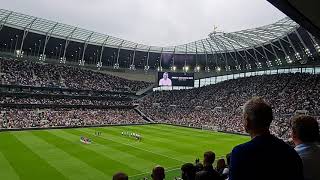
[[60, 101], [45, 118], [27, 73], [220, 105]]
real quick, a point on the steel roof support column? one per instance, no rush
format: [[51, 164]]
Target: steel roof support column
[[63, 60], [265, 30], [274, 52], [226, 51], [207, 69], [116, 66], [294, 49], [25, 33], [264, 52], [197, 69], [236, 52], [306, 49], [48, 35], [236, 41], [262, 45], [134, 54], [84, 49], [315, 43], [101, 52], [283, 49], [160, 65], [216, 57], [174, 52], [291, 44], [132, 66], [146, 68], [185, 60], [224, 57], [244, 39]]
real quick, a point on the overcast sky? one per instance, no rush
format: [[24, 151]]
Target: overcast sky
[[152, 22]]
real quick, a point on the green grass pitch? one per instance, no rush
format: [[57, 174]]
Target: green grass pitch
[[59, 154]]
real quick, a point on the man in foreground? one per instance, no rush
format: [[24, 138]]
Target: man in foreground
[[305, 133], [265, 157]]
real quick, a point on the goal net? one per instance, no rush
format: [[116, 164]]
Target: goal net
[[210, 128]]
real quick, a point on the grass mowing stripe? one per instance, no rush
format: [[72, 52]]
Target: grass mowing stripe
[[196, 132], [103, 163], [100, 147], [167, 141], [216, 143], [146, 150], [6, 170], [72, 168], [163, 148], [24, 160], [195, 148], [155, 158], [169, 137]]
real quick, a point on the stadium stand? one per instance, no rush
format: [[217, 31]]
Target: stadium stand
[[44, 118], [220, 105], [27, 73], [35, 95]]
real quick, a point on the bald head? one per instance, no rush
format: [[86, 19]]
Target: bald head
[[257, 115], [158, 173]]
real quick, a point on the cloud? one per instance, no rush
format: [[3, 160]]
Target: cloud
[[152, 22]]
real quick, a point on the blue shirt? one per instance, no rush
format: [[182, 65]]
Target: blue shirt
[[310, 155]]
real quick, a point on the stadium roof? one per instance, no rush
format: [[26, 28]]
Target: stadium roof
[[217, 42]]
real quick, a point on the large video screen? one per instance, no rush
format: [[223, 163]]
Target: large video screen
[[175, 79]]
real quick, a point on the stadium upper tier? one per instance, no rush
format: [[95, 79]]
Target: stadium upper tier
[[215, 43], [283, 43]]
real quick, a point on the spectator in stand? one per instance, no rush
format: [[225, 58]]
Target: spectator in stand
[[221, 165], [198, 165], [158, 173], [305, 133], [225, 173], [265, 157], [30, 118], [188, 171], [208, 173], [120, 176]]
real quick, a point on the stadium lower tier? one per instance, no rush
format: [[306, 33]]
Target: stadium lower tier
[[46, 118]]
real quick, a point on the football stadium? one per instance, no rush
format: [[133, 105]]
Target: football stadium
[[80, 104]]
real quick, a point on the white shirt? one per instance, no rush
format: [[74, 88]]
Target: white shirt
[[164, 82]]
